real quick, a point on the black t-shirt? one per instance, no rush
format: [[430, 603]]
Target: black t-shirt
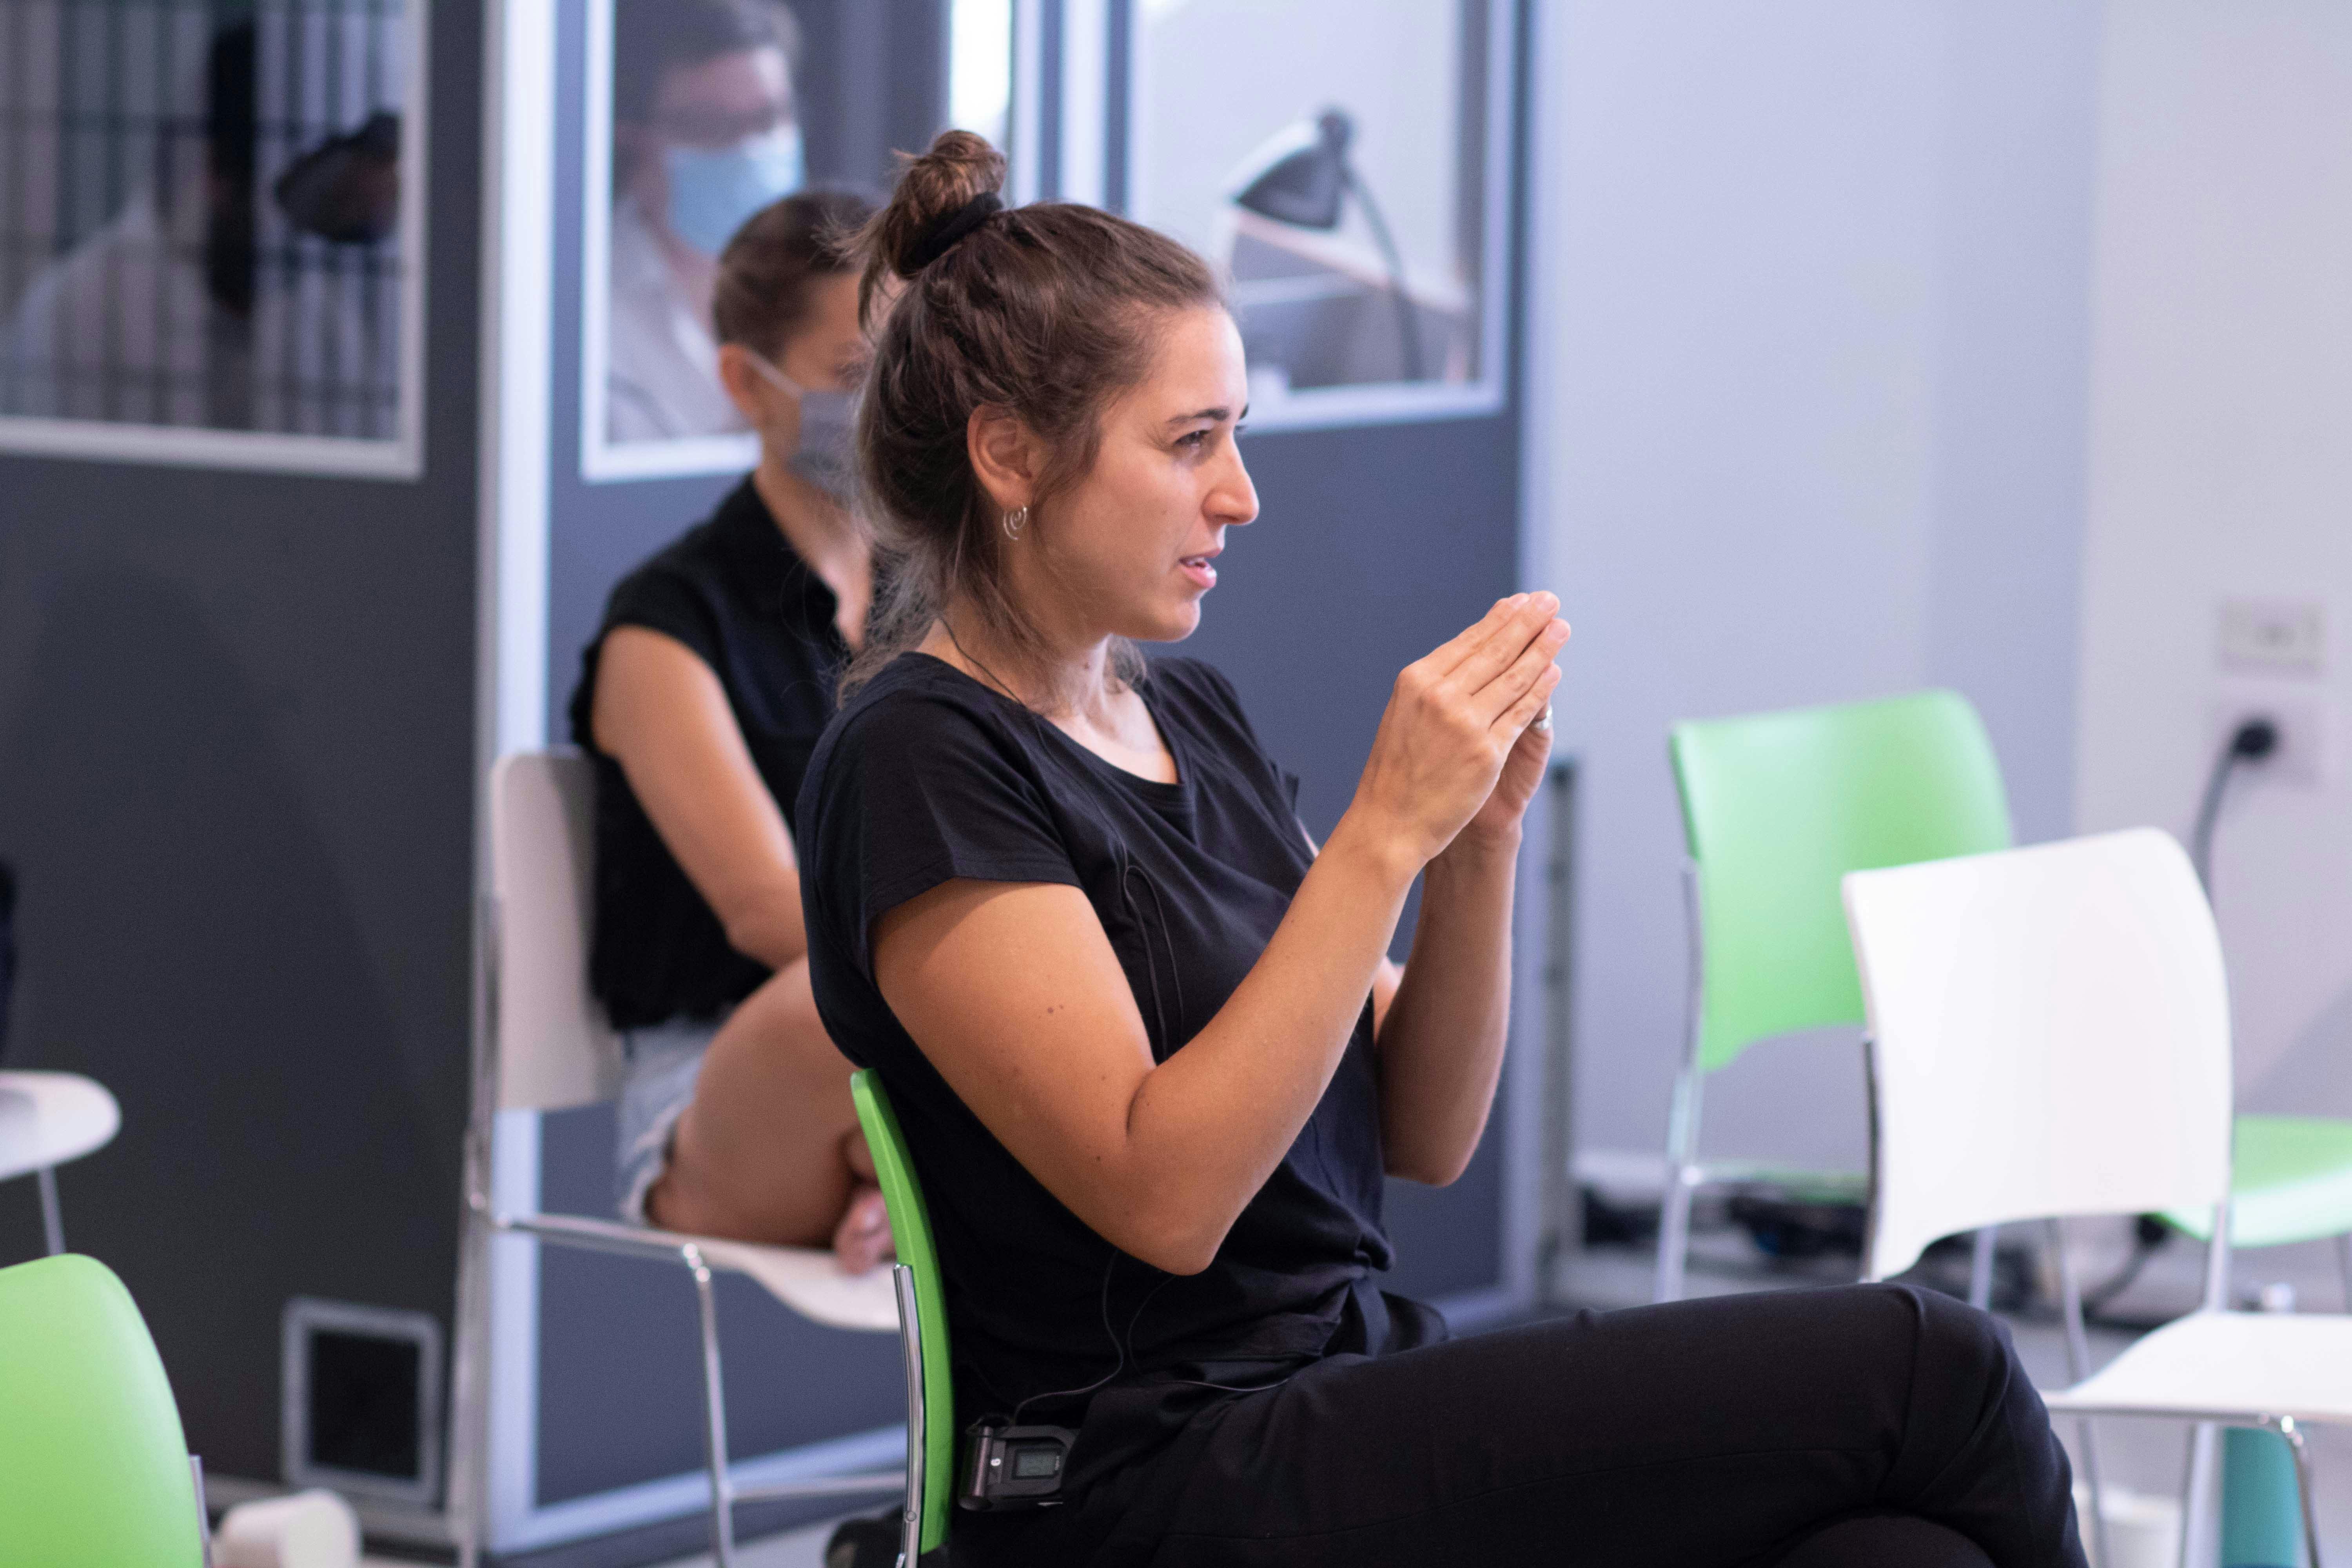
[[928, 776], [733, 590]]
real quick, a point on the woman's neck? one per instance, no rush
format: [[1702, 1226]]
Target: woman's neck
[[823, 535], [1062, 681], [1075, 687]]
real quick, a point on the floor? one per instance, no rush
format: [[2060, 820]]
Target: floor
[[2143, 1458], [794, 1549]]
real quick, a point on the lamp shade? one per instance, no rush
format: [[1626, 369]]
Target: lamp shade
[[1304, 187]]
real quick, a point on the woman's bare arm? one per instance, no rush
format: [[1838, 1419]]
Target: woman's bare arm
[[1014, 994], [1441, 1052], [1440, 1046], [661, 713]]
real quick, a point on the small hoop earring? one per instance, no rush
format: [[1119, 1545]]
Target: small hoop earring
[[1014, 521]]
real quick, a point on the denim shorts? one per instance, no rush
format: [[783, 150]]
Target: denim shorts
[[661, 1065]]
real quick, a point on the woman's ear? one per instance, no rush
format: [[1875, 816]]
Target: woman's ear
[[747, 389], [1006, 456]]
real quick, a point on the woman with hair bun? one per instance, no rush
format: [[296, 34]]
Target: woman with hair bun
[[700, 702], [1153, 1063]]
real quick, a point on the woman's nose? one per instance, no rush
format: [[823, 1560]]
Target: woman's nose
[[1235, 500]]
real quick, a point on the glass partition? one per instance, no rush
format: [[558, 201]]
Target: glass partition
[[1345, 163], [209, 224]]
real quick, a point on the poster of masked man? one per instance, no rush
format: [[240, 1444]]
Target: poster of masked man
[[705, 132], [700, 113], [700, 128]]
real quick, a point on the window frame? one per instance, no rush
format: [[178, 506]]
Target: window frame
[[603, 460]]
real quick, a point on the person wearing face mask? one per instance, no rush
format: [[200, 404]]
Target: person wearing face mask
[[706, 131], [700, 702]]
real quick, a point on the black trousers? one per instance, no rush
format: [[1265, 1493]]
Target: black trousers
[[1869, 1426]]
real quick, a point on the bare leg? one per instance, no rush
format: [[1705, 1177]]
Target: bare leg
[[769, 1151]]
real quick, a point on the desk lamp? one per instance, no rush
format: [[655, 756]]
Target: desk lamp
[[1304, 186]]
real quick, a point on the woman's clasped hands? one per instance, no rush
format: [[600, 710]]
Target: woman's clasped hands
[[1458, 746]]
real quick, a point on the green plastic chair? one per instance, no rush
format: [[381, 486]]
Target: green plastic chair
[[1775, 809], [94, 1469], [922, 1325], [2291, 1180]]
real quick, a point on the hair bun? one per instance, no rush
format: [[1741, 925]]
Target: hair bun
[[959, 167]]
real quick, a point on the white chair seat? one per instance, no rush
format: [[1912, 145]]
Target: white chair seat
[[805, 1279], [2226, 1366], [809, 1281], [49, 1117]]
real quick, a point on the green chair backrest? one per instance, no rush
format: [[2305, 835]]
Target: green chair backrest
[[1777, 806], [93, 1466], [911, 1230]]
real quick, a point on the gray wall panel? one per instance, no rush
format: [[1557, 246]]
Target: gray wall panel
[[236, 754]]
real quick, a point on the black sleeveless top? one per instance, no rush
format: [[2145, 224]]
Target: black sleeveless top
[[733, 591], [928, 776]]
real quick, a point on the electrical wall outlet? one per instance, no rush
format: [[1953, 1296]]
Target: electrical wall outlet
[[2272, 637], [2302, 756]]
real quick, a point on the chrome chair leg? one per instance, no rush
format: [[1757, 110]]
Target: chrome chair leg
[[910, 1342], [1683, 1176], [204, 1512], [53, 1220], [2199, 1526], [2078, 1367], [1674, 1234], [1981, 1267], [714, 1414], [2288, 1427]]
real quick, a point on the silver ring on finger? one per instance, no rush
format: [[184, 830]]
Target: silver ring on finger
[[1543, 720]]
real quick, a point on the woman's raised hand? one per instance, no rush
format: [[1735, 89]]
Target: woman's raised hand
[[1452, 723]]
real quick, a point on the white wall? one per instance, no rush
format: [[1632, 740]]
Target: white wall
[[1807, 403], [2222, 462]]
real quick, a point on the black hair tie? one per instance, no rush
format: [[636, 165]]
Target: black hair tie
[[951, 229]]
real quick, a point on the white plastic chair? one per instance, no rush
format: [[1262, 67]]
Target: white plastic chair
[[45, 1119], [551, 1048], [2050, 1036]]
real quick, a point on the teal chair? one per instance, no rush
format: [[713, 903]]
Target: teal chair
[[1775, 809], [94, 1470], [923, 1326]]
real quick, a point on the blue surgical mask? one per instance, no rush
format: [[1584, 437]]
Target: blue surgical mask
[[828, 431], [713, 189]]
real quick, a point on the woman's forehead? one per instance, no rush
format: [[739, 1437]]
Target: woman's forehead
[[1199, 367]]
